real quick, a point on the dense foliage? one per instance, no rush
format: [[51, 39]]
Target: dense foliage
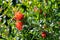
[[29, 20]]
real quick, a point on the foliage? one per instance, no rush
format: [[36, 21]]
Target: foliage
[[39, 16]]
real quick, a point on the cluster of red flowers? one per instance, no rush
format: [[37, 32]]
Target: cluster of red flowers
[[19, 24], [18, 17]]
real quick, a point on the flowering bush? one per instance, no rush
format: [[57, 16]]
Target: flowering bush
[[29, 20]]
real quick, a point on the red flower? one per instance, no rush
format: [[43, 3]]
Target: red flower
[[19, 25], [43, 34], [19, 16]]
